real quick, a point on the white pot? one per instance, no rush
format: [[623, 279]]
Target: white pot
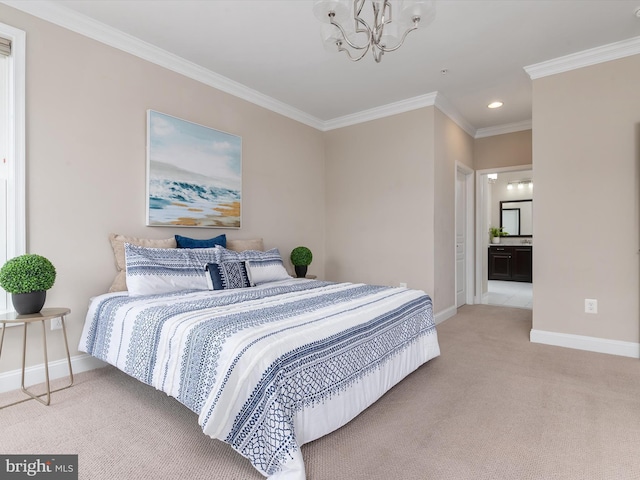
[[495, 239]]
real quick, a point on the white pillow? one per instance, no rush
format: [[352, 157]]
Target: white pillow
[[266, 271], [163, 270]]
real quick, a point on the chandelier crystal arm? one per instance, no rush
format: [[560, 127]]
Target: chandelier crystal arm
[[345, 36], [358, 5], [379, 21], [348, 52], [407, 32]]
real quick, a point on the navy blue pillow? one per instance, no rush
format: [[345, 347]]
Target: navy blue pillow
[[228, 275], [186, 242]]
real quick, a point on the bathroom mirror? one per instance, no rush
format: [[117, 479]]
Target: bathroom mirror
[[516, 217]]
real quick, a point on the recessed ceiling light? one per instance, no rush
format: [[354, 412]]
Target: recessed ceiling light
[[495, 105]]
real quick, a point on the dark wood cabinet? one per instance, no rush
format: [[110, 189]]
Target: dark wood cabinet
[[500, 259], [511, 263], [522, 270]]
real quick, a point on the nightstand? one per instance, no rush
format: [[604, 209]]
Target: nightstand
[[45, 314]]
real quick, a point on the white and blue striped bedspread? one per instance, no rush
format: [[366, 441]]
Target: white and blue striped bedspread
[[267, 368]]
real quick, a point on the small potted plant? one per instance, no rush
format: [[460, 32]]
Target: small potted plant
[[27, 277], [301, 258], [496, 233]]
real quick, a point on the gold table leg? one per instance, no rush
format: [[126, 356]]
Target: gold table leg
[[46, 365]]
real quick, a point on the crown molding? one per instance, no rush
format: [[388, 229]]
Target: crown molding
[[506, 128], [593, 56], [88, 27], [401, 106], [450, 111]]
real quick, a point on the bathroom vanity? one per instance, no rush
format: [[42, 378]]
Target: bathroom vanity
[[511, 263]]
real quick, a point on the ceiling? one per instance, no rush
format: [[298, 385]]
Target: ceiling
[[274, 47]]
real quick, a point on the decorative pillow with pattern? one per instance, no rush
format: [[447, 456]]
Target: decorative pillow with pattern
[[117, 243], [262, 267], [162, 270], [226, 255], [223, 276]]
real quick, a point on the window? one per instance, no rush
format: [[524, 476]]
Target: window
[[12, 147]]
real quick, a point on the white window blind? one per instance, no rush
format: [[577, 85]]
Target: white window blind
[[5, 47]]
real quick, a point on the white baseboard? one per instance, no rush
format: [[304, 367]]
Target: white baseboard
[[482, 299], [57, 369], [591, 344], [445, 314]]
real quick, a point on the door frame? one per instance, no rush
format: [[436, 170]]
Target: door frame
[[468, 232], [482, 236]]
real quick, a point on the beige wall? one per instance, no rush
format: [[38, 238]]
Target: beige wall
[[452, 146], [86, 135], [379, 201], [506, 150], [391, 201], [586, 147]]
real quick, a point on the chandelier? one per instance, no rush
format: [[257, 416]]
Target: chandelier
[[349, 31]]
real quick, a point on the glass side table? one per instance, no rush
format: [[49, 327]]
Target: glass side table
[[45, 314]]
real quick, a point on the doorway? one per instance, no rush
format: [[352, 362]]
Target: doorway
[[508, 187]]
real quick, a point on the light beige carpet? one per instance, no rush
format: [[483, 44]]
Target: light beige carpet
[[492, 406]]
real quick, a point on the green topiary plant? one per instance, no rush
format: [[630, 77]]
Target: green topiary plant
[[497, 232], [27, 273], [301, 256]]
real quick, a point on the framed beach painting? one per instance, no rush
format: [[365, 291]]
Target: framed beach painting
[[194, 174]]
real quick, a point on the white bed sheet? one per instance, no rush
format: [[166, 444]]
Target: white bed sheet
[[268, 368]]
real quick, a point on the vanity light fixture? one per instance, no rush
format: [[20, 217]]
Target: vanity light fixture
[[520, 185]]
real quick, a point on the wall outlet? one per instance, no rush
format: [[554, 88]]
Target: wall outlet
[[403, 284], [590, 305], [56, 323]]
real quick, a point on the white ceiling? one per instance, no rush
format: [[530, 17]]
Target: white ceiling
[[274, 48]]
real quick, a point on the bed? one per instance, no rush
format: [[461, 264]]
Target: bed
[[267, 367]]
